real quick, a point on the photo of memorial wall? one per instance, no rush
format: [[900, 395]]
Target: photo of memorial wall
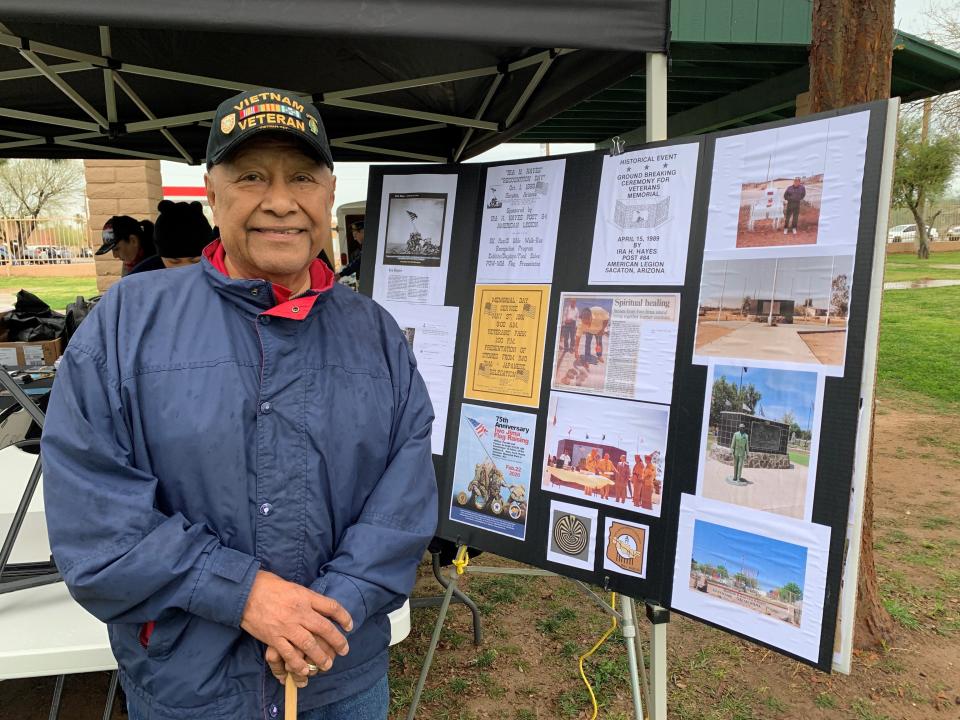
[[751, 571], [761, 429], [787, 310]]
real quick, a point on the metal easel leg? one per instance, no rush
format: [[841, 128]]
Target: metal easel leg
[[629, 629], [428, 660], [57, 695], [460, 597], [659, 618], [641, 658]]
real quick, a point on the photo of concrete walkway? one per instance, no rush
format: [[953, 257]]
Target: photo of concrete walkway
[[776, 491], [798, 343]]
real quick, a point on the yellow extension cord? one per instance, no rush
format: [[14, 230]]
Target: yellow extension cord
[[591, 651]]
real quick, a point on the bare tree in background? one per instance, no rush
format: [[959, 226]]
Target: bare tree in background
[[30, 188], [944, 20]]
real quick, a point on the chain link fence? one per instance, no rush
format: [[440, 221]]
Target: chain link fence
[[44, 241]]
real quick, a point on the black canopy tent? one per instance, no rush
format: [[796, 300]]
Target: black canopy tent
[[426, 80]]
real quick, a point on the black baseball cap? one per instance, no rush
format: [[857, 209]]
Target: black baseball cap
[[266, 110], [117, 228]]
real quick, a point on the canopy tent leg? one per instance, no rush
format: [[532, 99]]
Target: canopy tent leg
[[111, 694], [629, 630], [656, 105]]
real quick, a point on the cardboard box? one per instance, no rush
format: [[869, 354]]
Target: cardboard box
[[30, 354]]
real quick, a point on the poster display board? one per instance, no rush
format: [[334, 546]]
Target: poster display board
[[690, 442]]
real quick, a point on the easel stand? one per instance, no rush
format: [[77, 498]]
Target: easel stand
[[640, 685]]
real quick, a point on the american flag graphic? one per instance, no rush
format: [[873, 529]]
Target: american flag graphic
[[478, 427], [413, 215]]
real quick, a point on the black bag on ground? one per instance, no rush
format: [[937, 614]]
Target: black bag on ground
[[76, 312], [32, 320]]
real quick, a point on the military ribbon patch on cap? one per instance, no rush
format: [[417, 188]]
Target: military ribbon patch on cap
[[228, 123], [314, 128]]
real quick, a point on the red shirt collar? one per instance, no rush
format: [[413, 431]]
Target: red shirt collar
[[321, 279]]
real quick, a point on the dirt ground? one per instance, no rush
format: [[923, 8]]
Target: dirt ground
[[535, 629], [828, 346], [765, 235]]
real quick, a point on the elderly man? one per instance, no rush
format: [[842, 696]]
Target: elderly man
[[233, 488]]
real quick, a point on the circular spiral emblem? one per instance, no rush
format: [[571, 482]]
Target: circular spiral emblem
[[571, 535]]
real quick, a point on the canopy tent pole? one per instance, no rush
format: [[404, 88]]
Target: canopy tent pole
[[656, 129]]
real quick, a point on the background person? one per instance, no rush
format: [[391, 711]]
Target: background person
[[131, 242], [353, 267], [182, 232], [214, 490]]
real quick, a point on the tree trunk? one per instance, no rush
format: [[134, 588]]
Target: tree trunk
[[851, 55]]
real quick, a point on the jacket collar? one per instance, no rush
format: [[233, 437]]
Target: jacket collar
[[261, 296]]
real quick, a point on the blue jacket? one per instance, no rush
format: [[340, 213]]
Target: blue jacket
[[191, 440]]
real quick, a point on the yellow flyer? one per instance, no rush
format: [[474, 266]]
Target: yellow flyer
[[506, 343]]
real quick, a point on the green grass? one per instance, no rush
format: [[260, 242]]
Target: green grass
[[799, 458], [919, 337], [825, 701], [910, 267], [55, 291], [902, 614]]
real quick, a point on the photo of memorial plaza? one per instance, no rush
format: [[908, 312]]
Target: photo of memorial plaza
[[759, 434], [786, 309], [754, 572]]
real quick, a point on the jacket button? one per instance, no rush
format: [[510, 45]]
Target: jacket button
[[295, 308], [274, 711], [266, 509], [266, 407], [264, 319]]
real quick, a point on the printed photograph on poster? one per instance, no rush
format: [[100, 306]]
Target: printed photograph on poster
[[414, 229], [643, 216], [431, 333], [521, 212], [761, 434], [572, 535], [794, 185], [760, 575], [491, 478], [413, 247], [507, 336], [606, 450], [617, 345], [625, 547], [787, 310]]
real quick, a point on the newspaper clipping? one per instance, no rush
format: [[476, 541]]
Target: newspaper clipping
[[617, 345]]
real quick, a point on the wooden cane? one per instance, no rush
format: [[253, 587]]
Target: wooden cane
[[290, 699]]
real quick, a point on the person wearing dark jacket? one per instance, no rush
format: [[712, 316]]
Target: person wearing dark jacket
[[234, 489], [792, 197], [131, 242], [181, 233]]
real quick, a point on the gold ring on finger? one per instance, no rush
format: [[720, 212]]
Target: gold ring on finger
[[312, 668]]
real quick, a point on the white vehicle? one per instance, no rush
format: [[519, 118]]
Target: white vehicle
[[953, 233], [908, 233]]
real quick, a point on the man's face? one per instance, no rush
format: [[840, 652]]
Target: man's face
[[358, 235], [272, 203], [796, 181]]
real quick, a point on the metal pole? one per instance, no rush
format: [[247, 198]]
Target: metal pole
[[428, 661], [659, 617], [629, 629], [656, 97]]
